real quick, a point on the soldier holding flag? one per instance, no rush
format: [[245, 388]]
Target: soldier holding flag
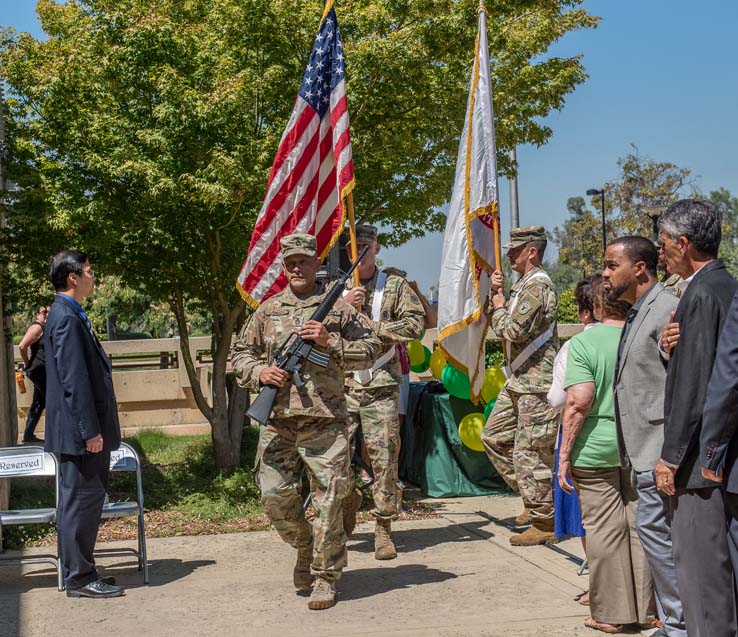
[[304, 213], [397, 316], [520, 435]]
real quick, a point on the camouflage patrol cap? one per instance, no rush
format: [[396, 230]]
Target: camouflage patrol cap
[[366, 233], [298, 243], [524, 235]]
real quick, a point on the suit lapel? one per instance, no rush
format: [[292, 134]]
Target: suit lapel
[[91, 335], [643, 311], [98, 347]]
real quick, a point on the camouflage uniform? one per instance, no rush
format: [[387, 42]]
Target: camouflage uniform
[[308, 427], [376, 403], [672, 284], [520, 434]]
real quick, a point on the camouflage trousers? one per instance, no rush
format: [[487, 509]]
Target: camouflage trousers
[[288, 447], [376, 410], [519, 438]]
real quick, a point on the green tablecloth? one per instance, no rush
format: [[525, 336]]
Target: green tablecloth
[[432, 455]]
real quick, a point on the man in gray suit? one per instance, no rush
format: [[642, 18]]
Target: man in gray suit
[[631, 275]]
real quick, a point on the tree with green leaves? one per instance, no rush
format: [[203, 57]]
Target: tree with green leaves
[[727, 203], [580, 239], [144, 132], [641, 185]]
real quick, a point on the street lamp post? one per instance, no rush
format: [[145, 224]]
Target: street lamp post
[[514, 207], [592, 192], [655, 212]]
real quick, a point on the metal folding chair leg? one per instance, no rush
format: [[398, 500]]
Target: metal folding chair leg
[[59, 576], [582, 567]]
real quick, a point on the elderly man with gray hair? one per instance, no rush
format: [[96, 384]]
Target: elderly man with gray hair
[[690, 232]]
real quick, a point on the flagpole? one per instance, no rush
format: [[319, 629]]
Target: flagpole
[[352, 236], [496, 230], [496, 217]]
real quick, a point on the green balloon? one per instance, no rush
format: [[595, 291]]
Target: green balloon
[[422, 367], [456, 383], [488, 409]]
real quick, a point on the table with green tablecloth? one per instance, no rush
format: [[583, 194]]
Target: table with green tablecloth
[[432, 454]]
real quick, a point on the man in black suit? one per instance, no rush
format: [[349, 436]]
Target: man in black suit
[[718, 440], [690, 232], [81, 423]]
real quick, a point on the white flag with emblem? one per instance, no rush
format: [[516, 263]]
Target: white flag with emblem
[[471, 229]]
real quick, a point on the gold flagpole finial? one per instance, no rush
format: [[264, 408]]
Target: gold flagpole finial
[[481, 8]]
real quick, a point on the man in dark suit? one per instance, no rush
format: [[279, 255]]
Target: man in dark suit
[[719, 439], [690, 232], [631, 275], [81, 423]]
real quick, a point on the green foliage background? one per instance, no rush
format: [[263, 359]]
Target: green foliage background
[[143, 132]]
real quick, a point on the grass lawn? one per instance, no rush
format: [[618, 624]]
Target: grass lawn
[[183, 493]]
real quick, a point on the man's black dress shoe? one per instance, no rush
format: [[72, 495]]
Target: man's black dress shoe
[[108, 579], [32, 440], [98, 588]]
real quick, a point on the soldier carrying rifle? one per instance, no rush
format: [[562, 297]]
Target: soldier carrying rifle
[[308, 425]]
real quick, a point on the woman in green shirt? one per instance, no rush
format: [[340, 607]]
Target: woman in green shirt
[[620, 588]]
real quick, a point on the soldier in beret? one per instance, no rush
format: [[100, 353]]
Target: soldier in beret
[[397, 316], [520, 434], [308, 428]]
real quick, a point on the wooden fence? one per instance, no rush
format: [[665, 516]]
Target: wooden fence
[[153, 389]]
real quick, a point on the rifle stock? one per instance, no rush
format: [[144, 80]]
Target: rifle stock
[[261, 408]]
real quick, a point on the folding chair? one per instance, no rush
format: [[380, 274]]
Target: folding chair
[[31, 462], [126, 459]]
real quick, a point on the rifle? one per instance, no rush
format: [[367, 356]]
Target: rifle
[[293, 353]]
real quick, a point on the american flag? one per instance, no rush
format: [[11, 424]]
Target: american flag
[[312, 171]]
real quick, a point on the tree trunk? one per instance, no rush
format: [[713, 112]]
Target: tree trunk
[[8, 408], [226, 424], [227, 427]]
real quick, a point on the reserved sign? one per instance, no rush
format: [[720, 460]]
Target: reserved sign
[[27, 464], [118, 455]]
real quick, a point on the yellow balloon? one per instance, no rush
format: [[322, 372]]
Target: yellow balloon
[[494, 381], [470, 431], [437, 363], [416, 352]]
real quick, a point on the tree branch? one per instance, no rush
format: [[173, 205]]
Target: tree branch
[[177, 304]]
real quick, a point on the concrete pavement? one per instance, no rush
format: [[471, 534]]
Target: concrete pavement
[[455, 575]]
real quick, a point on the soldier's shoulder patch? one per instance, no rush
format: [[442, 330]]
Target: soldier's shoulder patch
[[414, 298], [524, 308]]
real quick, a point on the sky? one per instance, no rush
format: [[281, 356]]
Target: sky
[[662, 76]]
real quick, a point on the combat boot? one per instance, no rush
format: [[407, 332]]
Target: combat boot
[[384, 548], [323, 595], [523, 519], [351, 505], [301, 575], [540, 533]]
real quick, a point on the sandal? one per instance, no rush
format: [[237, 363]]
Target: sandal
[[581, 596], [611, 629]]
